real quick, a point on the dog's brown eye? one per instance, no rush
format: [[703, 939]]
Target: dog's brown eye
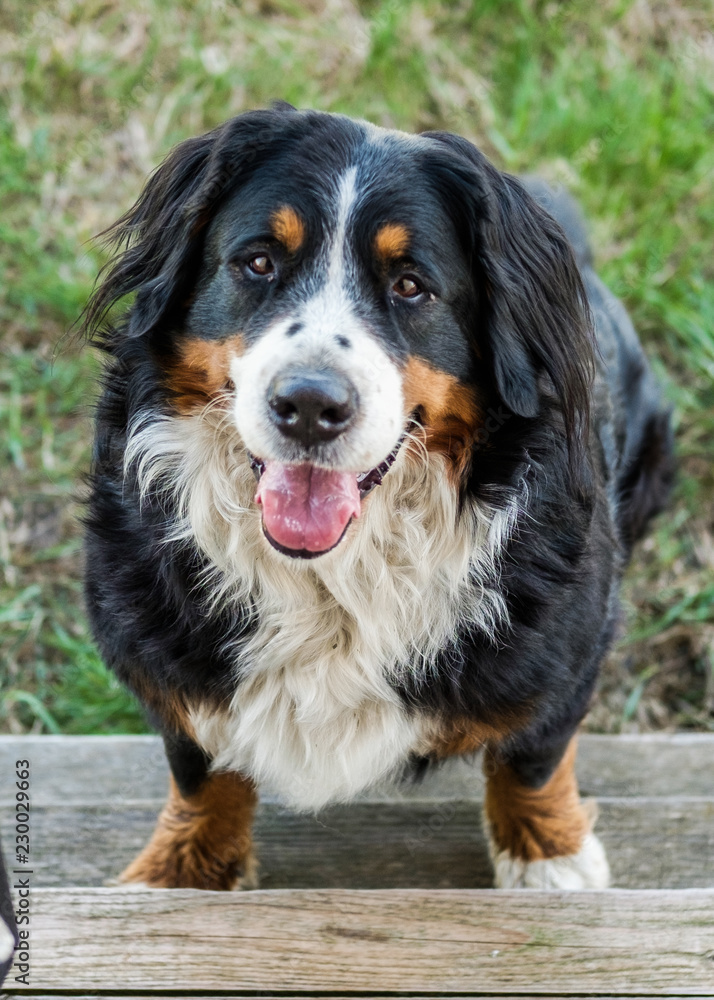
[[407, 287], [261, 264]]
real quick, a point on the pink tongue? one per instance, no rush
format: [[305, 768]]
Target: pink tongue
[[305, 507]]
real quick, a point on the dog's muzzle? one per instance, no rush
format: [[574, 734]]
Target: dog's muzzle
[[307, 509]]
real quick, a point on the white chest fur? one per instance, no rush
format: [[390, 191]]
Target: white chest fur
[[314, 715]]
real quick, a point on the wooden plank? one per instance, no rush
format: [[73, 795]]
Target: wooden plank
[[107, 768], [504, 943], [651, 843], [650, 764]]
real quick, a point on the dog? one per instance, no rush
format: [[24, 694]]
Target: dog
[[373, 446]]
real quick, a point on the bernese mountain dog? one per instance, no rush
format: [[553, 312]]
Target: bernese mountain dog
[[373, 446]]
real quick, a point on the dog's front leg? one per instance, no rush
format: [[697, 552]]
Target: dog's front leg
[[203, 836], [540, 832]]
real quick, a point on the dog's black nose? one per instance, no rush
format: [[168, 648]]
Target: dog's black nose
[[312, 406]]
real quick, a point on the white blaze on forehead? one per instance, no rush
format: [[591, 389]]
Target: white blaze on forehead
[[326, 318], [346, 199], [330, 312]]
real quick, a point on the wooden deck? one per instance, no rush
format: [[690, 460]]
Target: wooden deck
[[387, 897]]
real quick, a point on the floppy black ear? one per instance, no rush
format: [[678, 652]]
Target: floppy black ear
[[537, 317], [158, 238]]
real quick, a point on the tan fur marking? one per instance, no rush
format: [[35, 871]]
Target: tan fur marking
[[449, 412], [288, 228], [536, 823], [169, 706], [202, 841], [391, 241], [463, 735], [201, 371]]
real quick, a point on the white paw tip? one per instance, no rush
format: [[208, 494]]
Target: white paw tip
[[588, 869], [250, 879]]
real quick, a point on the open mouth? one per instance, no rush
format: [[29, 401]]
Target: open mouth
[[307, 509]]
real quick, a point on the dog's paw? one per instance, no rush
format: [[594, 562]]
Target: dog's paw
[[187, 868], [250, 877], [588, 869]]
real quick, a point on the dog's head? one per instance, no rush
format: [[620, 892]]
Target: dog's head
[[335, 286]]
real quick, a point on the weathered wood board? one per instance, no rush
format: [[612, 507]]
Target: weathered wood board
[[463, 942], [651, 843], [95, 800], [109, 768]]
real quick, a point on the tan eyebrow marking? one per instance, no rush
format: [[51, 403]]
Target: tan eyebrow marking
[[288, 228], [391, 240]]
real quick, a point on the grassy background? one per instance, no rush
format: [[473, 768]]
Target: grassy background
[[614, 99]]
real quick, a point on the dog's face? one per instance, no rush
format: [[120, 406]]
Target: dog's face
[[336, 287], [334, 301]]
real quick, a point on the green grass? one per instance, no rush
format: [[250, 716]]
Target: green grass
[[616, 100]]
